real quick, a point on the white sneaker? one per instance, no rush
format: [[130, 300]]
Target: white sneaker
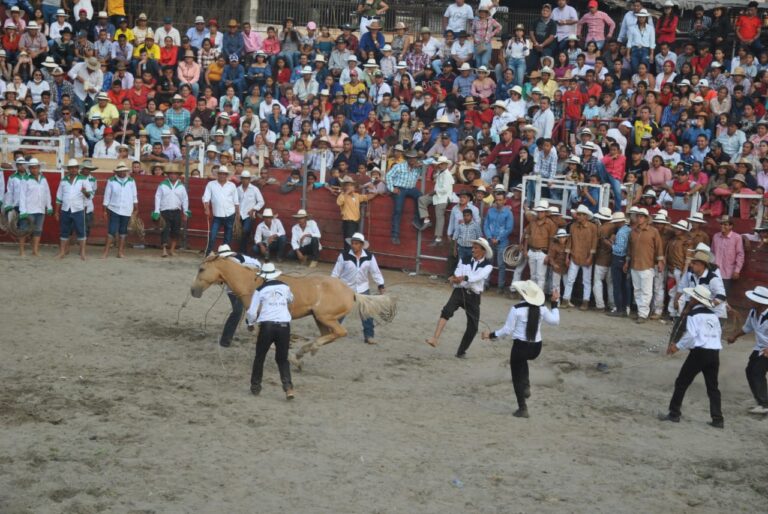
[[758, 410]]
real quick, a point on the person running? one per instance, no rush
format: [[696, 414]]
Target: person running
[[34, 204], [120, 202], [270, 309], [230, 325], [524, 325], [172, 203], [468, 282], [702, 338], [72, 197], [353, 267], [757, 366]]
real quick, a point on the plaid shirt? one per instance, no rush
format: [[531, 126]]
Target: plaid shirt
[[416, 62], [206, 58], [178, 120], [485, 30], [465, 233], [402, 176], [545, 165]]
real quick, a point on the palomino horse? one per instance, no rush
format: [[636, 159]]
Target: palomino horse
[[326, 299]]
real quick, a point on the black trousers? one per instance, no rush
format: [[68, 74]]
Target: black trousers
[[230, 326], [280, 335], [348, 228], [522, 352], [470, 302], [172, 225], [707, 362], [757, 367], [310, 251]]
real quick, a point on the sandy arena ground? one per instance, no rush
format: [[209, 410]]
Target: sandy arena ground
[[108, 406]]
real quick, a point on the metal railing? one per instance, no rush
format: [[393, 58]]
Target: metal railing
[[184, 12], [57, 145]]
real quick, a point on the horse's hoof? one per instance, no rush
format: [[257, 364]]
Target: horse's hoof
[[313, 351]]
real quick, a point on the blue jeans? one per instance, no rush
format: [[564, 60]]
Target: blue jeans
[[117, 224], [483, 58], [464, 252], [367, 323], [49, 13], [218, 223], [399, 198], [606, 177], [35, 222], [620, 283], [69, 221], [638, 55], [498, 254]]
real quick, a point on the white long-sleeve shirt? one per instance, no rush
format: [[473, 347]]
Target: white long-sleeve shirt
[[171, 196], [70, 193], [35, 197], [757, 323], [544, 121], [102, 151], [475, 271], [443, 187], [354, 271], [516, 109], [713, 281], [270, 302], [120, 195], [250, 200], [223, 199], [517, 322], [14, 189], [645, 38], [94, 188], [302, 236], [702, 330], [264, 232]]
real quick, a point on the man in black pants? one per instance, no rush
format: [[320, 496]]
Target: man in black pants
[[702, 338], [230, 325], [757, 366], [270, 309], [468, 282]]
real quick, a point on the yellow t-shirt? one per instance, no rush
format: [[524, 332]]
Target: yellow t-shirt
[[215, 71], [128, 34], [116, 8], [350, 89], [108, 115], [152, 53]]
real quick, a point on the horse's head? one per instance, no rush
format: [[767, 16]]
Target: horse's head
[[207, 274]]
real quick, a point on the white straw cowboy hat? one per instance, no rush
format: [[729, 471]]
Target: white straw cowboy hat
[[267, 213], [72, 163], [604, 213], [245, 174], [660, 219], [642, 211], [443, 160], [542, 206], [224, 251], [530, 291], [700, 293], [696, 217], [703, 256], [562, 233], [618, 217], [583, 209], [758, 295], [301, 213], [554, 210], [223, 169], [486, 246], [357, 236], [682, 225], [268, 271]]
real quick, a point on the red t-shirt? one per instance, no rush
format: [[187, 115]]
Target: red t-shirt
[[138, 99], [748, 27], [573, 101]]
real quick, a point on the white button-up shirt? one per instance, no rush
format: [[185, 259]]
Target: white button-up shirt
[[71, 195], [14, 189], [223, 199], [517, 322], [702, 330], [757, 323], [35, 195], [171, 196], [645, 38], [120, 195], [303, 236], [94, 187], [264, 232], [354, 271], [250, 200], [713, 281], [476, 272], [270, 302]]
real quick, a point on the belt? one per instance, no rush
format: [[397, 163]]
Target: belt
[[278, 323], [536, 249]]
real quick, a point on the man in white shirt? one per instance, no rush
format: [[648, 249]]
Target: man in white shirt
[[251, 202], [34, 205], [702, 337], [457, 16], [757, 366], [120, 202], [566, 19], [468, 282], [222, 204], [87, 79], [72, 199], [269, 236], [172, 203], [168, 30], [353, 267], [305, 239], [107, 147], [544, 120]]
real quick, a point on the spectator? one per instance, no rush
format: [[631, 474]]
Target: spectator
[[305, 239]]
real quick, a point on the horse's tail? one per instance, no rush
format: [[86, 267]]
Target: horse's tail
[[382, 306]]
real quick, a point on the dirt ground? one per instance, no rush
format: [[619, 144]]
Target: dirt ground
[[108, 405]]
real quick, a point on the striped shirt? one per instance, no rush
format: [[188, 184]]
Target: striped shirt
[[621, 243], [465, 233]]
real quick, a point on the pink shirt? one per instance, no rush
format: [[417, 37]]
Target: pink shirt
[[596, 26], [252, 42], [729, 253], [616, 167], [658, 177]]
